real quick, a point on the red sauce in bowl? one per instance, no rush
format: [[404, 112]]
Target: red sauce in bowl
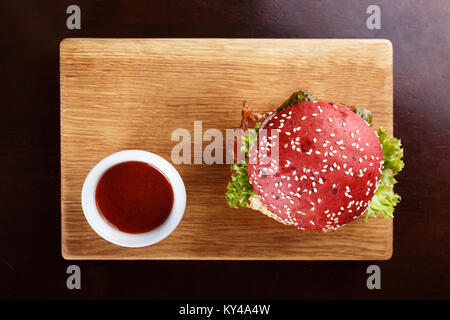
[[134, 197]]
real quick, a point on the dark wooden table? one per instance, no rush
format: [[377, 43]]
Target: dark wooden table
[[31, 265]]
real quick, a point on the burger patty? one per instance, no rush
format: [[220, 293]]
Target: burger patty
[[328, 168]]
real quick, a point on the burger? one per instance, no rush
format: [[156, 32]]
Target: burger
[[315, 165]]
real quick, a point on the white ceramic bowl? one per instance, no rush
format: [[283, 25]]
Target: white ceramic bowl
[[104, 229]]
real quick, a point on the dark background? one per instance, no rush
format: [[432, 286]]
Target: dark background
[[31, 265]]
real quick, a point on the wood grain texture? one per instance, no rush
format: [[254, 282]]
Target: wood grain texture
[[119, 94]]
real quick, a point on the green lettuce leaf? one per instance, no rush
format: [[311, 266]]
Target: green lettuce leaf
[[392, 152], [385, 199], [249, 138], [239, 189]]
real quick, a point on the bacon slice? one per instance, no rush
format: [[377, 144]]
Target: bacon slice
[[249, 117]]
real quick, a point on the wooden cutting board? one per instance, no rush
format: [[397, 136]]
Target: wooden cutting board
[[119, 94]]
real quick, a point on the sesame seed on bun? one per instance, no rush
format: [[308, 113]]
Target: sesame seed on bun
[[328, 168]]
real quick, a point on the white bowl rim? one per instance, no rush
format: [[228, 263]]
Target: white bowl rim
[[133, 240]]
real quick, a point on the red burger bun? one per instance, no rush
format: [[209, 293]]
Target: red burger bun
[[328, 168]]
